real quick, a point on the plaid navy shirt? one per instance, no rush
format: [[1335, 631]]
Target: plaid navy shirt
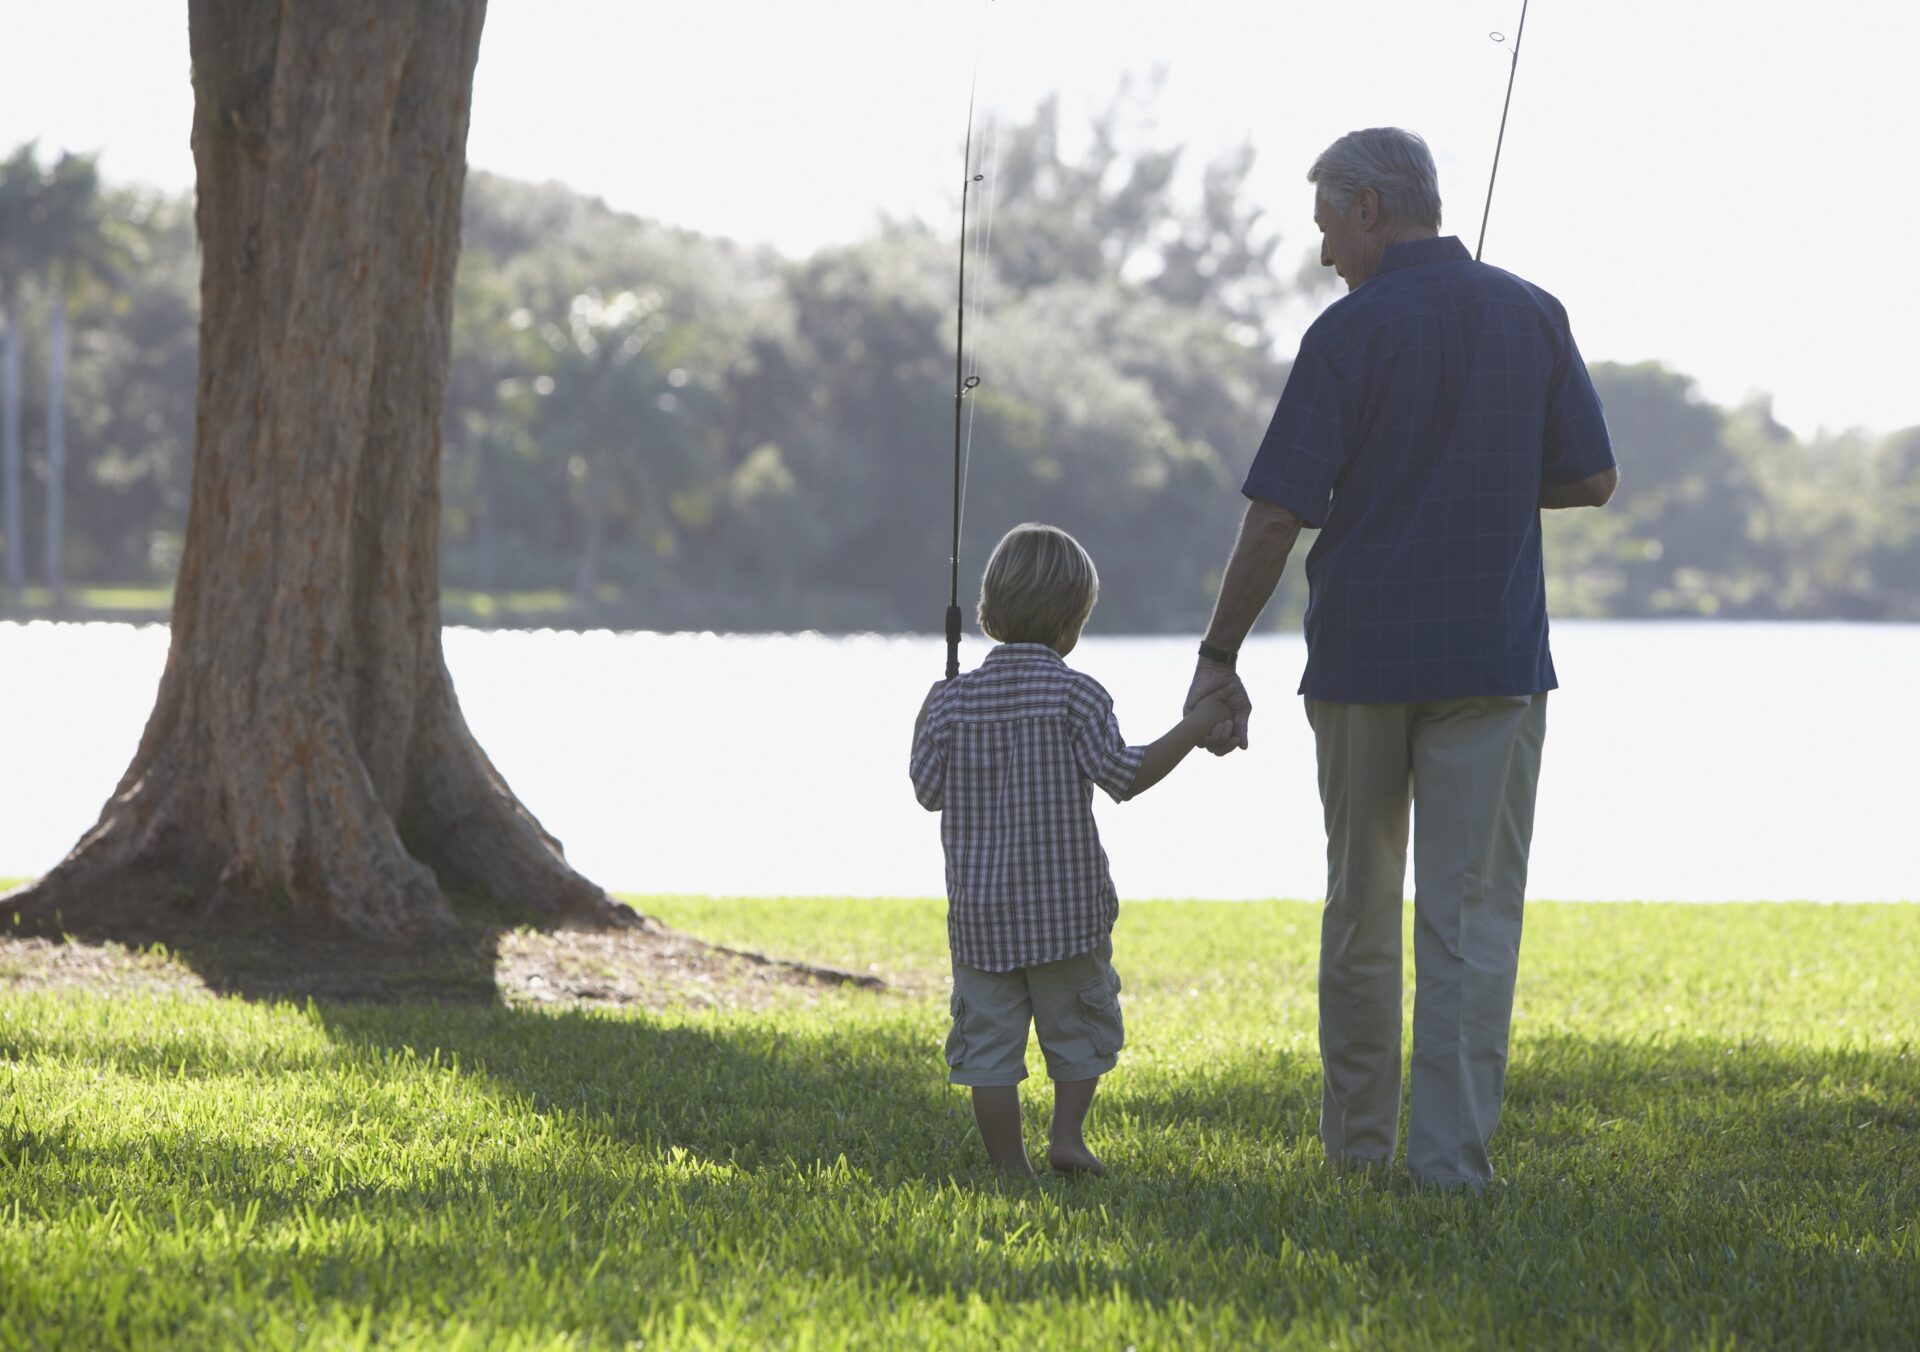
[[1424, 411], [1009, 755]]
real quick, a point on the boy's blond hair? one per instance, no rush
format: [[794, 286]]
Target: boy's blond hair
[[1039, 586]]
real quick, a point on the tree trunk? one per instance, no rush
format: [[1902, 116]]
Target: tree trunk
[[57, 446], [10, 513], [306, 761]]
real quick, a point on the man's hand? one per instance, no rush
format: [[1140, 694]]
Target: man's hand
[[1210, 721], [1212, 679]]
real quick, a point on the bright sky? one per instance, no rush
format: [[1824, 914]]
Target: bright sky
[[1723, 184]]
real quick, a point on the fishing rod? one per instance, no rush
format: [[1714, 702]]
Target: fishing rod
[[962, 383], [1512, 70]]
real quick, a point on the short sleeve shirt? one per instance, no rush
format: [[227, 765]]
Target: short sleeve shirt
[[1009, 755], [1424, 412]]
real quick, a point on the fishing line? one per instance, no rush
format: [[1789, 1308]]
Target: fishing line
[[983, 275], [963, 381], [1512, 70]]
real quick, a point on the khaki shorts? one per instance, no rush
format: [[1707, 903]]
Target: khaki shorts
[[1074, 1003]]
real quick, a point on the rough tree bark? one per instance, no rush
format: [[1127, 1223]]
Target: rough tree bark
[[306, 759]]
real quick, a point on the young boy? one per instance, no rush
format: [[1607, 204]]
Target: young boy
[[1009, 755]]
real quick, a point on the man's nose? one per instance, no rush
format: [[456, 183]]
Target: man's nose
[[1326, 257]]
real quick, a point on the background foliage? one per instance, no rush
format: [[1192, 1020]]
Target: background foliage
[[654, 429]]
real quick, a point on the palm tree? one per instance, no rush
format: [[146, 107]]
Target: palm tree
[[79, 250]]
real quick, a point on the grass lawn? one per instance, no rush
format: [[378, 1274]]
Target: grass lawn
[[154, 605], [1712, 1139]]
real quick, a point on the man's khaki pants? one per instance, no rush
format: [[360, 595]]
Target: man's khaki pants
[[1469, 768]]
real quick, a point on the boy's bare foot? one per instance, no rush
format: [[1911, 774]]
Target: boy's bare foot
[[996, 1108], [1018, 1170], [1067, 1149], [1074, 1158]]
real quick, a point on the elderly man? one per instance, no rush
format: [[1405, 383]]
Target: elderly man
[[1429, 416]]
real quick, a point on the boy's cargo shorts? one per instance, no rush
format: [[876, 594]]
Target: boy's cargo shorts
[[1075, 1004]]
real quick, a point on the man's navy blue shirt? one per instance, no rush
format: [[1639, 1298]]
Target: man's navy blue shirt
[[1424, 412]]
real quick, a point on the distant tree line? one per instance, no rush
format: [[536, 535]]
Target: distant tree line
[[650, 428]]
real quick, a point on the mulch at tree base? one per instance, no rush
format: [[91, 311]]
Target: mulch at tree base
[[646, 968]]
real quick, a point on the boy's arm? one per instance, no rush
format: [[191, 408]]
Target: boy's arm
[[928, 764], [1173, 746], [920, 719]]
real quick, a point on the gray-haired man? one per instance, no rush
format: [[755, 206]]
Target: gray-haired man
[[1430, 414]]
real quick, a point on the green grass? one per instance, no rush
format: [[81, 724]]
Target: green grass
[[1712, 1139], [101, 602], [156, 603], [506, 607]]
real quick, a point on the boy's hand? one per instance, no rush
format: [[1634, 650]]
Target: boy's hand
[[1210, 720], [1222, 683]]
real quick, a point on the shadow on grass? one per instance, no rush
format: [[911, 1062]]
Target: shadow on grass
[[487, 958], [459, 967], [1683, 1190], [762, 1093], [271, 956]]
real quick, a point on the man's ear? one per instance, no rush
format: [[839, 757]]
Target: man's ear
[[1366, 208]]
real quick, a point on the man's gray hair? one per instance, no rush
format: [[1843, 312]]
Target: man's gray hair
[[1396, 164]]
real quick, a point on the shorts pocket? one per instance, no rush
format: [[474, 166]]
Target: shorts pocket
[[956, 1039], [1100, 1007]]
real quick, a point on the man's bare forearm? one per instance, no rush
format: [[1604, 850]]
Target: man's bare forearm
[[1259, 558]]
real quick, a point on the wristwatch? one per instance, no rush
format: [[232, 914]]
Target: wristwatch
[[1220, 657]]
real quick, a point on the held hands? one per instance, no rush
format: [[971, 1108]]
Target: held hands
[[1210, 721], [1215, 685]]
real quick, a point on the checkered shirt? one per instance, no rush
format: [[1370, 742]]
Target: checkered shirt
[[1423, 413], [1009, 756]]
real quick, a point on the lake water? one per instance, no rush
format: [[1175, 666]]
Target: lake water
[[1684, 761]]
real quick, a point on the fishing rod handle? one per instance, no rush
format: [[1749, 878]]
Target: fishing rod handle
[[953, 641]]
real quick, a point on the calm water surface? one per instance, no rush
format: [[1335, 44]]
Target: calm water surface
[[1684, 761]]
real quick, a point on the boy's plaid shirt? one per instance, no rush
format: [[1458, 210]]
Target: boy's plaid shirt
[[1009, 755]]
